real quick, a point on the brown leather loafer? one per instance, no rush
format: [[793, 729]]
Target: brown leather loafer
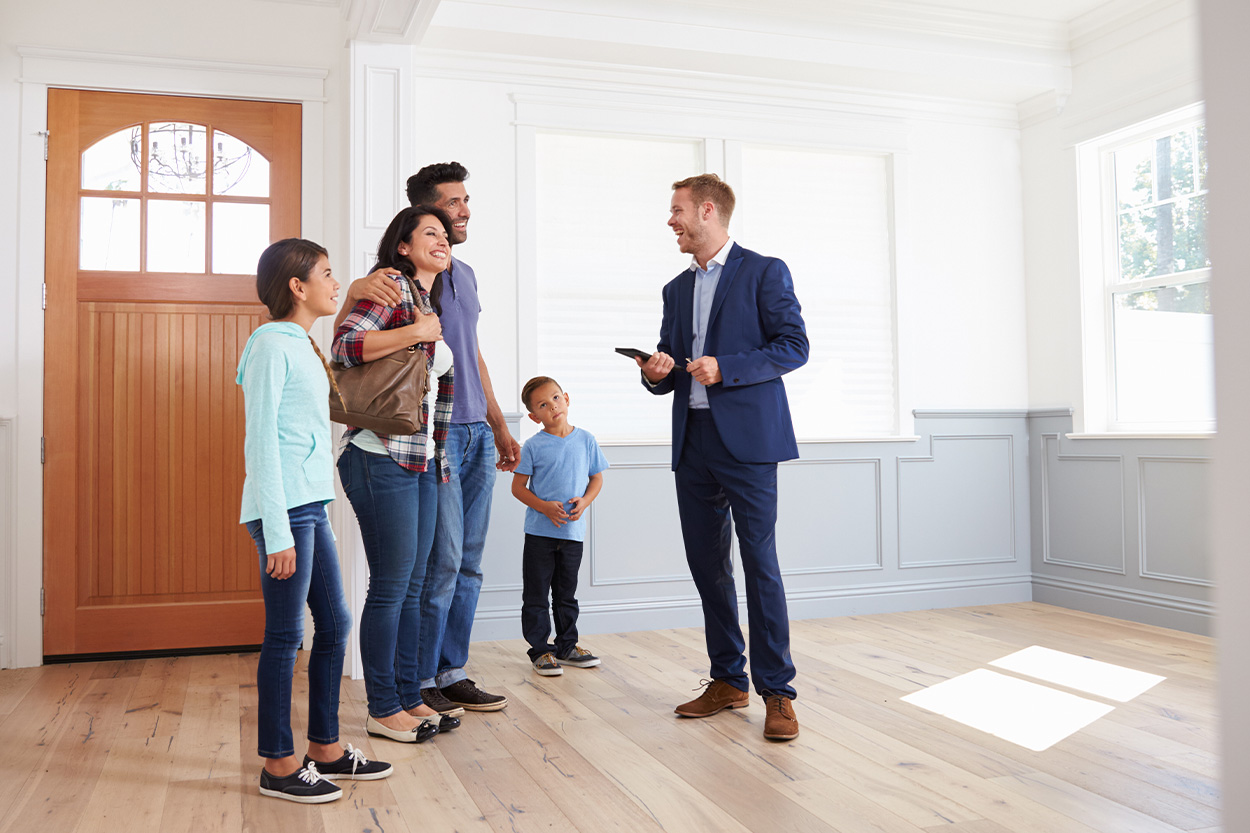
[[718, 696], [780, 723]]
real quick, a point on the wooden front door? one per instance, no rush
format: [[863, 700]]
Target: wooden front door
[[157, 210]]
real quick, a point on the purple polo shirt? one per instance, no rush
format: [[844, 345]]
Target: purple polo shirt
[[461, 309]]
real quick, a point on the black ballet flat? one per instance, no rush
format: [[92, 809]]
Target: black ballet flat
[[426, 731], [446, 723]]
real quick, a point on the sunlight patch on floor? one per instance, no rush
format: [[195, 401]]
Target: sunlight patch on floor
[[1024, 713], [1114, 682]]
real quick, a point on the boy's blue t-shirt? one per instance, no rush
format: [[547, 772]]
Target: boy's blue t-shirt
[[559, 468]]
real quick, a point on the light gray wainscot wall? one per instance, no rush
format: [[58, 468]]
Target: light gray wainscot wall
[[1120, 525], [941, 520]]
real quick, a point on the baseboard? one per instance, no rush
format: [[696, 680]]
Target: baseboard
[[685, 611], [1159, 609]]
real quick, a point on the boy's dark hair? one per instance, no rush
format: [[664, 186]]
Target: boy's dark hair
[[534, 384], [423, 185]]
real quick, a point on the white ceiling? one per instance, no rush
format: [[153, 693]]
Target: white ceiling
[[994, 51]]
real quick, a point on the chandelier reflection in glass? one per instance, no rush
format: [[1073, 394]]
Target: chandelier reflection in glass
[[177, 161]]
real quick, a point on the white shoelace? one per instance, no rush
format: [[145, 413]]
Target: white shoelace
[[309, 773], [358, 757]]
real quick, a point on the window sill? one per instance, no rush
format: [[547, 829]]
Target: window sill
[[1151, 435]]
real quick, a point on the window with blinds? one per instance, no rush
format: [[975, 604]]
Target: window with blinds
[[604, 252]]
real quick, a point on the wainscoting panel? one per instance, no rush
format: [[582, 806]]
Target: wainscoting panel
[[1082, 509], [1172, 494], [1120, 524], [829, 516], [964, 520], [957, 506]]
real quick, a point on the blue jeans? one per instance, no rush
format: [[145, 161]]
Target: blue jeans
[[316, 581], [455, 568], [389, 506]]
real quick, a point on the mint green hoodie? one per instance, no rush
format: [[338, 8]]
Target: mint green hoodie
[[286, 450]]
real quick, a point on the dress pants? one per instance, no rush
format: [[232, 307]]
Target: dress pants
[[712, 484]]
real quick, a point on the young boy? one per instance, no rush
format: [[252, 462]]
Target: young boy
[[558, 477]]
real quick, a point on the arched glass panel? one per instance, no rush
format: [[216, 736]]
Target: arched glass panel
[[113, 163], [177, 158], [239, 170]]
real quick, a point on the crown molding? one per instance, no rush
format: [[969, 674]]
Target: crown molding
[[1118, 22], [162, 73], [710, 89], [387, 21]]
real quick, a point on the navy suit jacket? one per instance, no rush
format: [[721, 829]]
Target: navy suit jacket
[[756, 333]]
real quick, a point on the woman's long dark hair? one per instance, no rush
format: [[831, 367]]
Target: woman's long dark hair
[[400, 231]]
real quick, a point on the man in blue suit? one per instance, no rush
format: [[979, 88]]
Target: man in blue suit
[[734, 316]]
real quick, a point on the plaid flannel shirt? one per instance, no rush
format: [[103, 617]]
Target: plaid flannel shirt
[[348, 348]]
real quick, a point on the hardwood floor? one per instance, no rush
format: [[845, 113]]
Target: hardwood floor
[[169, 744]]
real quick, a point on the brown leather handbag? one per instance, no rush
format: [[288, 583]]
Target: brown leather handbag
[[384, 395]]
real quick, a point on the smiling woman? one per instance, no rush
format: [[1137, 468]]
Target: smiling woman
[[381, 473]]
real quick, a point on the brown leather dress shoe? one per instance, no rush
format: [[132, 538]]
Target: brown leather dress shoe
[[718, 696], [780, 723]]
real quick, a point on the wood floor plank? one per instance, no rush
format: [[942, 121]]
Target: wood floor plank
[[169, 745]]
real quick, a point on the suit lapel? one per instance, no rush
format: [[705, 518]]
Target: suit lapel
[[685, 314], [726, 278]]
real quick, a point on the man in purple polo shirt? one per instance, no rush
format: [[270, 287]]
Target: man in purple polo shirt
[[477, 433]]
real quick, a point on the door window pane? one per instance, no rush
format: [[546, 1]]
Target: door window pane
[[177, 155], [108, 235], [238, 169], [113, 163], [1163, 355], [175, 236], [240, 234]]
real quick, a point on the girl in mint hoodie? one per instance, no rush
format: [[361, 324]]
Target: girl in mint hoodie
[[289, 463]]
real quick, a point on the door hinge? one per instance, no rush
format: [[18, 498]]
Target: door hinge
[[43, 450], [41, 602], [45, 295], [45, 134]]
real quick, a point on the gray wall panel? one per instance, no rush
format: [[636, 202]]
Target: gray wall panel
[[829, 516], [1082, 509], [957, 506], [1174, 521]]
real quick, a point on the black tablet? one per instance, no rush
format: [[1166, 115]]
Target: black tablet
[[633, 353]]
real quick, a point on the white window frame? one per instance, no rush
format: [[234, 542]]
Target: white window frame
[[1098, 234]]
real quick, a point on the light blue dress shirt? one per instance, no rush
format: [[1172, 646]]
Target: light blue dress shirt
[[705, 281]]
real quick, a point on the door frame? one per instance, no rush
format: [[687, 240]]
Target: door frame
[[22, 575]]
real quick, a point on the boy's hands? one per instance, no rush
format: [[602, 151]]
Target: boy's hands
[[554, 510], [579, 505]]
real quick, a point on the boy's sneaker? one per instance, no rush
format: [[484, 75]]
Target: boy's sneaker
[[464, 693], [305, 786], [353, 766], [434, 698], [547, 666], [579, 657]]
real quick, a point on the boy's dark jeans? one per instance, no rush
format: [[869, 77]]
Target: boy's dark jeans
[[549, 570]]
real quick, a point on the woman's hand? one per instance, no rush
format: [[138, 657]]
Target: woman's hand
[[281, 565], [426, 328]]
